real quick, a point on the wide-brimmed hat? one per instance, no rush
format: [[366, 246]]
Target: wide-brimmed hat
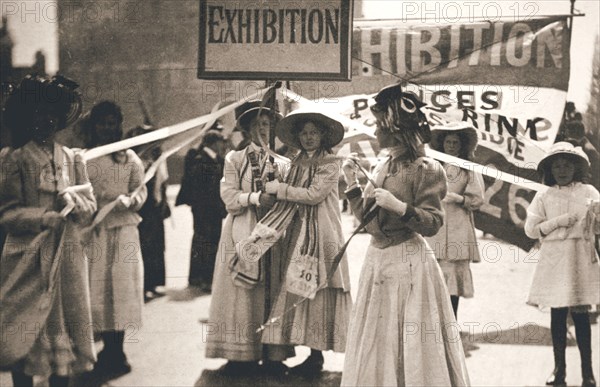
[[462, 128], [563, 148], [244, 120], [288, 128], [246, 106], [57, 94]]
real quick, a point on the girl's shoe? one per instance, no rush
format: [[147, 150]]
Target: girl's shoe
[[312, 366], [588, 381], [557, 377]]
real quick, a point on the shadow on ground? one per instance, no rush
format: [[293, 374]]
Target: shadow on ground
[[186, 294], [216, 378]]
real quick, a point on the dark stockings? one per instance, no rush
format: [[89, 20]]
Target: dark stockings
[[20, 379], [454, 300], [58, 381], [583, 333], [316, 354], [558, 328], [113, 342]]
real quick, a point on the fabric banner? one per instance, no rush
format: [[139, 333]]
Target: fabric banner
[[509, 80]]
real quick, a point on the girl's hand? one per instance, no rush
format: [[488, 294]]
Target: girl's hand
[[266, 201], [595, 206], [452, 197], [566, 220], [272, 186], [385, 199], [349, 168]]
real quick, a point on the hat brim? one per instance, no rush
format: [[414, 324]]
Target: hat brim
[[546, 162], [244, 120], [332, 130], [438, 135]]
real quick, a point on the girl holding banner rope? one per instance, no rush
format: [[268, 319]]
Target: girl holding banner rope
[[45, 198], [455, 245], [402, 331], [237, 307], [566, 219], [116, 273], [307, 199]]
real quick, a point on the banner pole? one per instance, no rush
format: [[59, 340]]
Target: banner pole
[[267, 257], [572, 13]]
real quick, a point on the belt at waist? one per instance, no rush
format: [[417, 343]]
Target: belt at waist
[[382, 241]]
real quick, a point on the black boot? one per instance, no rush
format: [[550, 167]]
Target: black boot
[[112, 361], [584, 342], [312, 366], [58, 381], [20, 379], [558, 327], [240, 368]]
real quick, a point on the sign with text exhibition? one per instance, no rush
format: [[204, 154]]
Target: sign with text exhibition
[[275, 39]]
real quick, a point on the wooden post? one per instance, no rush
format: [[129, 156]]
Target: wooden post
[[572, 13], [267, 257]]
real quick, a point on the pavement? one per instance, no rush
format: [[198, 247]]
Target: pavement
[[507, 343]]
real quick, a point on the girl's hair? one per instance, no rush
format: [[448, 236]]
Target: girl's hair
[[581, 169], [300, 125], [464, 140], [100, 110], [410, 128]]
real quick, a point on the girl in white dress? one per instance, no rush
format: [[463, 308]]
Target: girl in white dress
[[567, 277]]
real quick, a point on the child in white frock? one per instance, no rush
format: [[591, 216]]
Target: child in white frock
[[567, 277]]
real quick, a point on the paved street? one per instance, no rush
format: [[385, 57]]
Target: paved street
[[507, 343]]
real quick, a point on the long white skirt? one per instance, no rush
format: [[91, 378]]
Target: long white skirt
[[403, 331]]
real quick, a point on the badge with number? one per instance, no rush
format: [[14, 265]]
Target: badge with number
[[302, 276]]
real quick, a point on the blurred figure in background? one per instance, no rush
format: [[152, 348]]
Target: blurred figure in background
[[575, 134], [570, 114], [200, 190], [116, 274], [4, 152]]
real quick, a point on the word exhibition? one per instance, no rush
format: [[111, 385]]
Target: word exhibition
[[260, 25], [403, 48]]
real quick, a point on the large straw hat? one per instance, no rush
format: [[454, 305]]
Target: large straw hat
[[245, 118], [288, 128], [462, 128], [561, 149], [57, 94]]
